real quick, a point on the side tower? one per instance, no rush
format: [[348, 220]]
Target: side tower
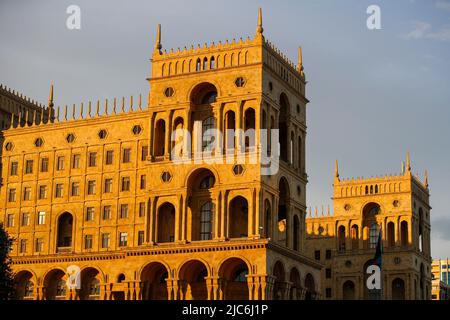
[[398, 206]]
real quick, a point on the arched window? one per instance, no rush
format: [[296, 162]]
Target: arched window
[[238, 215], [355, 237], [212, 63], [205, 63], [398, 289], [404, 233], [160, 138], [250, 135], [240, 275], [166, 223], [65, 226], [29, 289], [341, 239], [391, 234], [207, 182], [299, 152], [94, 287], [198, 65], [209, 97], [61, 288], [373, 235], [421, 230], [208, 134], [348, 290], [268, 220], [206, 221], [282, 126], [291, 155], [296, 233], [230, 126], [367, 190]]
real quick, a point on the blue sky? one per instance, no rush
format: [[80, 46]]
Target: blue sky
[[375, 94]]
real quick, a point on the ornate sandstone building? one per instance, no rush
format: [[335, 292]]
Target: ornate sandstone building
[[101, 190], [345, 242]]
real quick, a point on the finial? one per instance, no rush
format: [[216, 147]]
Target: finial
[[57, 114], [403, 167], [408, 162], [131, 104], [123, 104], [328, 210], [12, 121], [426, 179], [74, 108], [97, 112], [50, 97], [317, 212], [259, 28], [300, 60], [336, 169], [65, 113], [114, 105], [140, 102], [89, 109], [81, 110], [158, 45], [106, 106]]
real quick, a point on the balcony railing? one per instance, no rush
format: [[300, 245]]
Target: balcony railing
[[64, 249]]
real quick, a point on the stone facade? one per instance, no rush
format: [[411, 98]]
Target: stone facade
[[101, 191], [345, 241]]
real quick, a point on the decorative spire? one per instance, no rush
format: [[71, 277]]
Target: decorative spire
[[259, 28], [158, 45], [300, 60], [403, 167], [336, 169], [426, 179], [408, 162], [50, 97]]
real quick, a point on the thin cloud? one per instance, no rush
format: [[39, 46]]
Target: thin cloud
[[445, 5], [424, 30]]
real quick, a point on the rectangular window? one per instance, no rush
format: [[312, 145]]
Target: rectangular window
[[91, 187], [12, 195], [25, 219], [29, 166], [108, 185], [105, 240], [10, 220], [92, 159], [44, 165], [123, 211], [76, 160], [39, 245], [26, 194], [328, 273], [328, 254], [90, 214], [140, 238], [88, 241], [23, 246], [126, 155], [317, 254], [75, 189], [41, 218], [125, 183], [42, 192], [144, 153], [109, 157], [14, 168], [141, 209], [123, 239], [60, 163], [143, 181], [106, 215], [328, 293], [59, 190]]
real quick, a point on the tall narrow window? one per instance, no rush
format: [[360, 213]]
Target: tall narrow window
[[10, 220], [91, 187], [28, 166], [92, 159], [39, 245], [42, 192], [143, 181], [125, 183], [106, 213], [12, 195], [126, 155], [59, 190], [75, 189], [198, 65], [14, 167], [41, 218], [76, 161], [23, 246], [108, 185], [206, 221], [140, 238], [25, 219], [208, 134], [141, 209], [90, 214], [123, 211], [373, 235], [160, 138], [144, 153], [109, 157], [44, 165], [88, 241], [212, 63], [105, 240], [123, 239], [26, 193], [60, 163]]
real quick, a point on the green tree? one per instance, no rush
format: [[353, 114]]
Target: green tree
[[6, 274]]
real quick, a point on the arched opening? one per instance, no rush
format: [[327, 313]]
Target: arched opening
[[370, 223], [234, 273], [90, 284], [204, 93], [154, 277], [198, 65], [267, 219], [230, 126], [120, 278], [166, 223], [355, 237], [193, 283], [404, 233], [278, 288], [178, 143], [291, 149], [296, 287], [348, 290], [24, 286], [398, 289], [65, 226], [310, 286], [201, 208], [208, 134], [421, 230], [205, 63], [282, 125], [283, 202], [55, 285], [300, 154], [212, 63], [341, 238], [160, 138], [238, 213], [391, 234], [422, 280], [296, 233], [249, 127]]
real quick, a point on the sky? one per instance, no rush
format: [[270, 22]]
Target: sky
[[374, 94]]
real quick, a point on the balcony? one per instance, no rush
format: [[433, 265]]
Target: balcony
[[64, 249]]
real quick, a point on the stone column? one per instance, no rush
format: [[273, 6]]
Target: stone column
[[224, 216], [217, 215]]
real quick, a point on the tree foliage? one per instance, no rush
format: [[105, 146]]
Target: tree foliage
[[6, 274]]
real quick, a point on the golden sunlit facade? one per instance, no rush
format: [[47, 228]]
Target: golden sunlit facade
[[345, 240], [97, 186]]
